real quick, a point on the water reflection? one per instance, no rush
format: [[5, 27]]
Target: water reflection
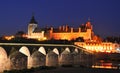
[[106, 65]]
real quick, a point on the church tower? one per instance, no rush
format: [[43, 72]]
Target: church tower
[[31, 26], [89, 25]]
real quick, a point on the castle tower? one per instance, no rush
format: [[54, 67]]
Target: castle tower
[[32, 25], [88, 24]]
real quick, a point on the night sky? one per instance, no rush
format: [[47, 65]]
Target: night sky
[[104, 14]]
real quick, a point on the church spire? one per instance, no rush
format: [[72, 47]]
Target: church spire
[[89, 19], [33, 20]]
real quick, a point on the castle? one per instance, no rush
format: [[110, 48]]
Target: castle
[[85, 31], [60, 33]]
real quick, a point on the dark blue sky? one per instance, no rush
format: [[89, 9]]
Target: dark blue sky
[[104, 14]]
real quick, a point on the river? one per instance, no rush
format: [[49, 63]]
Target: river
[[106, 64]]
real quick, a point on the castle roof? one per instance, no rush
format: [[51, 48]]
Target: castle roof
[[37, 30], [33, 20]]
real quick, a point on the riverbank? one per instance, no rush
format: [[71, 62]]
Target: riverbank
[[79, 70], [64, 70]]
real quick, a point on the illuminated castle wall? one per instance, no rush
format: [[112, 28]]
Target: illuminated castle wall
[[61, 33], [69, 33]]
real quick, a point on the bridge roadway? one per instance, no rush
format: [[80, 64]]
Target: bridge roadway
[[60, 45]]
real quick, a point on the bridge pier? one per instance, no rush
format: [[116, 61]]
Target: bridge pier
[[52, 59], [18, 61], [38, 59], [76, 58], [66, 58]]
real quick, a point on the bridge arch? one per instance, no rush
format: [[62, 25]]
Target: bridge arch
[[76, 57], [38, 59], [55, 50], [42, 50], [66, 57], [67, 49], [76, 50], [51, 59], [18, 60], [3, 59], [3, 52], [24, 50]]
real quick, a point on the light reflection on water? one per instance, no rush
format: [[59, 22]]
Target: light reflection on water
[[106, 65]]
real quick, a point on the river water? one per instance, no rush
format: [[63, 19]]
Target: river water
[[106, 64]]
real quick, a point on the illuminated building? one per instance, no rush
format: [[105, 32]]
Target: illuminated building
[[33, 31], [69, 33], [8, 37], [60, 33], [91, 42], [107, 47]]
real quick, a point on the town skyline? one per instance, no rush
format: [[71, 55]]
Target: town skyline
[[104, 15]]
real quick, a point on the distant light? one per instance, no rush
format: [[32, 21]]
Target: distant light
[[118, 50], [9, 37], [41, 39], [108, 51], [44, 38]]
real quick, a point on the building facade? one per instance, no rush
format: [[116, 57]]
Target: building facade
[[60, 33], [70, 33], [33, 31], [107, 47]]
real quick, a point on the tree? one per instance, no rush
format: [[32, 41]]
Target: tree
[[19, 33]]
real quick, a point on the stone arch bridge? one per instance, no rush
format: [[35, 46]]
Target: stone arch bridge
[[23, 55]]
